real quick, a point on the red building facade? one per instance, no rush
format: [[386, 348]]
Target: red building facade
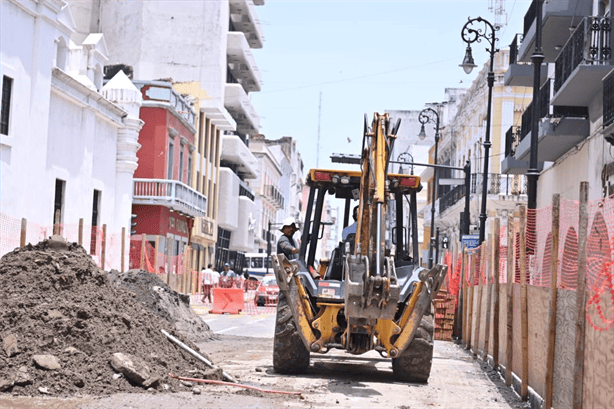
[[163, 202]]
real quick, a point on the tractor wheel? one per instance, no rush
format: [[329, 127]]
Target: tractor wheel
[[289, 353], [414, 364]]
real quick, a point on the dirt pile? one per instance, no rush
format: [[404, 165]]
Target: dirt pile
[[66, 330], [161, 300]]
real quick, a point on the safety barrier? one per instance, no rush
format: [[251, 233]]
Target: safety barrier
[[227, 300]]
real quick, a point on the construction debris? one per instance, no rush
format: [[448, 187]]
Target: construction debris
[[65, 326]]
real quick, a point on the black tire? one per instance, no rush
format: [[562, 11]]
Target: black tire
[[289, 353], [414, 364]]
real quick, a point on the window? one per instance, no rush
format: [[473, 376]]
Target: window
[[171, 153], [5, 113], [189, 182], [181, 163], [95, 220]]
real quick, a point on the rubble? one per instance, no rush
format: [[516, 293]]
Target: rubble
[[161, 300], [59, 311]]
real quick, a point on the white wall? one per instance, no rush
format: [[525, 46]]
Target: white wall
[[59, 129]]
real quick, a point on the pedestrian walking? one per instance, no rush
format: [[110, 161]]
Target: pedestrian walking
[[207, 282]]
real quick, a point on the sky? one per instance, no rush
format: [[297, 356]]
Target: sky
[[362, 57]]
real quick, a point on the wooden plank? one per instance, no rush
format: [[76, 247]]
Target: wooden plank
[[464, 272], [495, 301], [554, 265], [471, 289], [143, 247], [480, 290], [511, 248], [562, 391], [157, 250], [24, 227], [56, 222], [488, 288], [169, 267], [123, 249], [80, 239], [581, 298], [524, 308], [104, 245]]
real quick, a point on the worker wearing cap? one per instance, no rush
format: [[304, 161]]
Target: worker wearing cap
[[286, 244]]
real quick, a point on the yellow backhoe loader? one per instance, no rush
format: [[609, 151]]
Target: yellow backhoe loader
[[371, 293]]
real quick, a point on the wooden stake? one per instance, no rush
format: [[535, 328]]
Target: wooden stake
[[511, 258], [581, 298], [143, 247], [480, 290], [157, 250], [169, 261], [24, 227], [104, 245], [56, 222], [489, 268], [80, 239], [471, 294], [495, 301], [464, 271], [554, 265], [524, 308], [123, 250]]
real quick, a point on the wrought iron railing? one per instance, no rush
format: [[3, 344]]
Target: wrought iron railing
[[168, 193], [244, 190], [512, 138], [529, 17], [514, 47], [545, 110], [498, 184], [589, 44], [608, 99]]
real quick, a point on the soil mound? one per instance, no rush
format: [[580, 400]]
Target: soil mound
[[161, 300], [64, 328]]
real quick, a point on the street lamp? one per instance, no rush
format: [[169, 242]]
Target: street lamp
[[430, 115], [407, 158], [471, 34]]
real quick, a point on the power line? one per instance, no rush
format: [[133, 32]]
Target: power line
[[359, 77]]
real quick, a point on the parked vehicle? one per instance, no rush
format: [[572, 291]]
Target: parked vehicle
[[267, 292]]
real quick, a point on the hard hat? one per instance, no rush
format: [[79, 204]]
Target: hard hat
[[226, 265], [289, 221]]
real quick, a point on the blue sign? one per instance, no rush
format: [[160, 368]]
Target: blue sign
[[471, 241]]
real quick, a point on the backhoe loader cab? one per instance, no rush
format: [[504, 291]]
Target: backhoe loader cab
[[371, 294]]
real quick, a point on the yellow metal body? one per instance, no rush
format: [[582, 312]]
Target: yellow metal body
[[326, 322]]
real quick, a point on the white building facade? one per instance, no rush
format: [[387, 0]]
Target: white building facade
[[66, 152]]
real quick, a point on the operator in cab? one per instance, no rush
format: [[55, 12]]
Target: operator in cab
[[286, 244]]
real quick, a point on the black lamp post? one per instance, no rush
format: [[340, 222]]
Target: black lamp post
[[473, 32], [430, 115]]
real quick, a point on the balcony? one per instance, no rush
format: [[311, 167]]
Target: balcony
[[498, 184], [583, 63], [235, 152], [520, 73], [560, 128], [608, 105], [274, 196], [169, 193], [510, 165], [557, 18], [242, 63], [244, 19], [240, 107]]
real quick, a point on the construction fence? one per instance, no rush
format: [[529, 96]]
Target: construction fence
[[106, 249], [537, 299]]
